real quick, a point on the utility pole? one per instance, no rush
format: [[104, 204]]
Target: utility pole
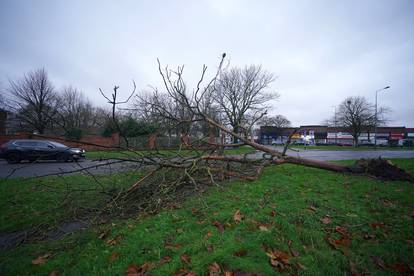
[[376, 111]]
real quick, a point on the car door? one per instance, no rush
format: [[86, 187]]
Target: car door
[[27, 149], [45, 150]]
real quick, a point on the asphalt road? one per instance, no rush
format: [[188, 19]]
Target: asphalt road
[[349, 155], [102, 167], [42, 168]]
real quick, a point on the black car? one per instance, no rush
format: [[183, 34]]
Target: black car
[[15, 151]]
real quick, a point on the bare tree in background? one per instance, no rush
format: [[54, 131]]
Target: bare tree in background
[[356, 114], [35, 98], [77, 114], [278, 121], [241, 96]]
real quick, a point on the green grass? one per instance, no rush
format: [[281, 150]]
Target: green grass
[[169, 153], [25, 203], [360, 148], [297, 196]]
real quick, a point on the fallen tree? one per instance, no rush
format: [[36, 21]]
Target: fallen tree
[[169, 178]]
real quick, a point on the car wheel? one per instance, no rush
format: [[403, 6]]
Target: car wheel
[[13, 158]]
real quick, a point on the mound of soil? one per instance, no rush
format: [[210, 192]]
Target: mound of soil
[[383, 169]]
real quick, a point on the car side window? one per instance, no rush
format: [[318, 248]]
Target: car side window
[[26, 144], [43, 145]]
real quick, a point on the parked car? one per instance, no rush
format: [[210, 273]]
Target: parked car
[[15, 151]]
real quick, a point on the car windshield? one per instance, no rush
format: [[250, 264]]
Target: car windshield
[[58, 145]]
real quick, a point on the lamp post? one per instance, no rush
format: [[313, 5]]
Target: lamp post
[[376, 111]]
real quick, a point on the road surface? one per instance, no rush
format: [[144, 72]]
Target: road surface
[[42, 168], [53, 167], [323, 155]]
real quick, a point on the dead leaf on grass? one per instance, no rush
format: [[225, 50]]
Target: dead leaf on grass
[[185, 259], [219, 226], [173, 246], [273, 213], [326, 220], [342, 242], [41, 259], [312, 208], [342, 230], [353, 269], [400, 267], [184, 272], [237, 216], [54, 273], [293, 252], [164, 260], [214, 269], [368, 236], [387, 203], [134, 270], [279, 259], [240, 253], [378, 261], [377, 225], [112, 258], [263, 228], [114, 241]]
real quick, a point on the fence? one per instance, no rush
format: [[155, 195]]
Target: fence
[[97, 142]]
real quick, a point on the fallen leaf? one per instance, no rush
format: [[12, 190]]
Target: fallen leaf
[[279, 259], [273, 213], [376, 225], [341, 242], [326, 220], [114, 241], [104, 234], [368, 236], [210, 248], [293, 252], [113, 257], [183, 272], [387, 203], [209, 234], [263, 228], [376, 260], [240, 253], [142, 270], [54, 273], [300, 266], [185, 259], [165, 259], [173, 246], [312, 208], [399, 267], [237, 216], [353, 270], [41, 259], [219, 226], [214, 269], [341, 230]]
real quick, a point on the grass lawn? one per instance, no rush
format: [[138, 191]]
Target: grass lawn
[[301, 220], [360, 148], [170, 153]]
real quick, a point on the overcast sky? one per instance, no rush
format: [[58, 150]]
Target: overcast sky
[[320, 51]]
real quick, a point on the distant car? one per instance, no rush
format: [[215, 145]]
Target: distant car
[[15, 151]]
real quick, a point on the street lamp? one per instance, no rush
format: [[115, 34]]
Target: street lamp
[[336, 142], [376, 111]]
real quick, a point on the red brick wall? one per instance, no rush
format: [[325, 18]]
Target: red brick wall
[[88, 142]]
